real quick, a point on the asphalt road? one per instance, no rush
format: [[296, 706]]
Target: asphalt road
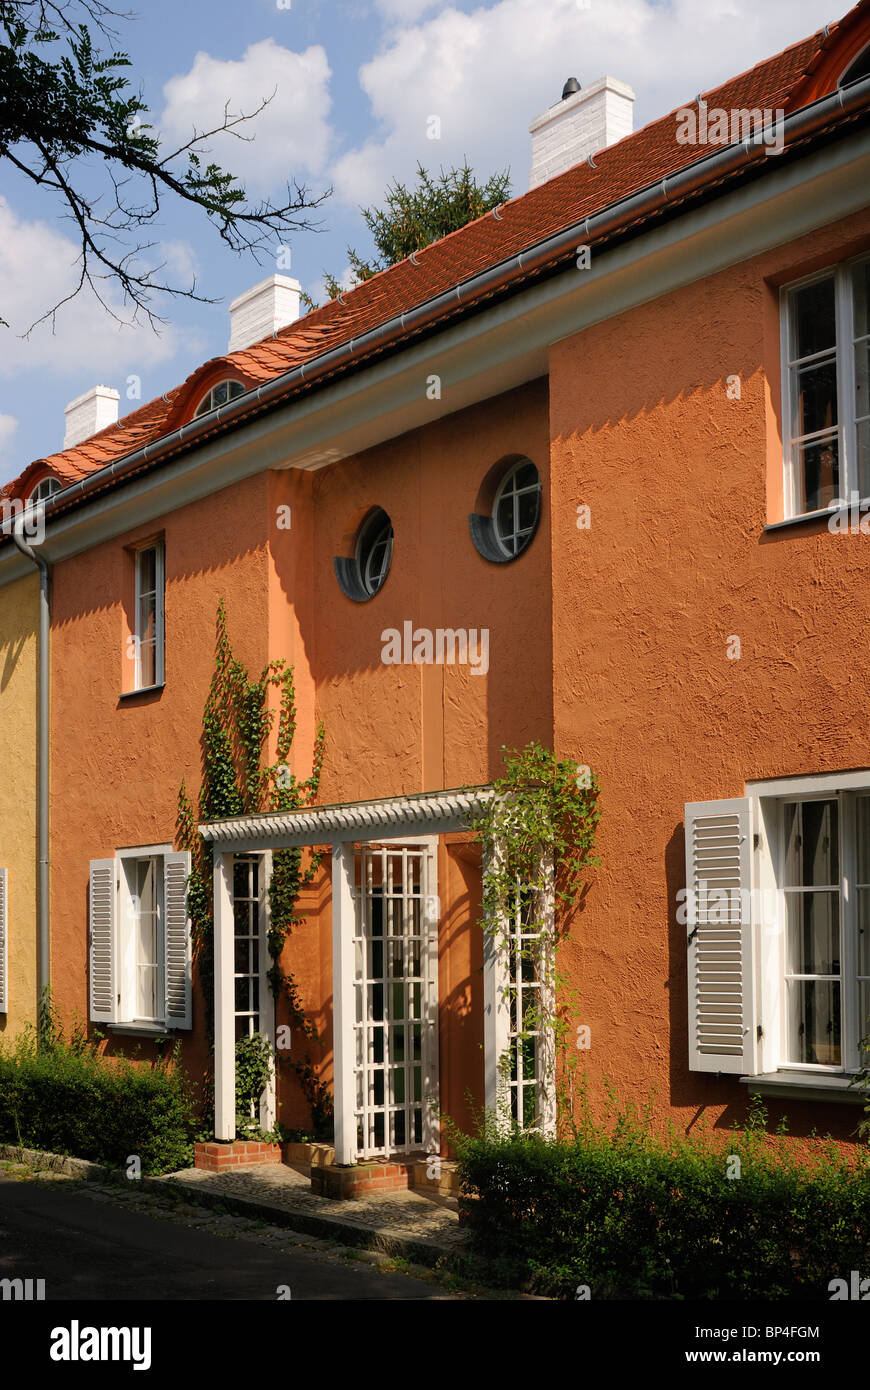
[[85, 1248]]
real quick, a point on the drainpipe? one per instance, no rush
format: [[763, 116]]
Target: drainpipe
[[44, 940]]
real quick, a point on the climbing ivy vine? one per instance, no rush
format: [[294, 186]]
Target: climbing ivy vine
[[236, 780], [537, 834]]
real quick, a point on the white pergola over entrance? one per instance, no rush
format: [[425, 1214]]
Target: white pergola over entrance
[[395, 821]]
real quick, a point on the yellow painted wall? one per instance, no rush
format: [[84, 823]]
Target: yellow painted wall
[[19, 626]]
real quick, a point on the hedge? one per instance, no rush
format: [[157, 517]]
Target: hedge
[[67, 1099], [623, 1214]]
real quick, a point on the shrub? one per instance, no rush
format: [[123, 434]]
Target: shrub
[[634, 1216], [67, 1099]]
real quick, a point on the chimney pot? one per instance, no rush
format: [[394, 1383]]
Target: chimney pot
[[90, 413]]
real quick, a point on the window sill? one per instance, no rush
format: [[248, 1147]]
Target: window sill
[[143, 690], [849, 512], [805, 519], [140, 1030], [805, 1086]]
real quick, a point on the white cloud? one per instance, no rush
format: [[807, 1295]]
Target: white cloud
[[8, 426], [290, 137], [37, 268], [405, 11], [489, 72]]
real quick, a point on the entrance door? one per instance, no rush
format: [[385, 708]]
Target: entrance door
[[396, 999]]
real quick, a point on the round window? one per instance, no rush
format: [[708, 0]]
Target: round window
[[361, 577], [374, 552], [517, 508]]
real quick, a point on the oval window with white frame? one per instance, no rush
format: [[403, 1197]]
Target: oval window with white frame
[[511, 497], [364, 576], [45, 488], [219, 395]]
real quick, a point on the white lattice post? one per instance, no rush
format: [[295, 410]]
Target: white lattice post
[[224, 1000], [342, 1000], [496, 1005], [546, 1051], [268, 1100]]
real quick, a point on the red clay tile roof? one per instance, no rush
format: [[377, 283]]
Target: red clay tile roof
[[621, 169]]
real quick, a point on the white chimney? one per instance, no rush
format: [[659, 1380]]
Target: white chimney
[[262, 310], [90, 413], [584, 121]]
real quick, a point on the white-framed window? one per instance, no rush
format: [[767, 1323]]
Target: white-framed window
[[140, 947], [519, 1008], [364, 576], [395, 982], [148, 646], [858, 69], [778, 910], [248, 963], [45, 488], [826, 389], [374, 553], [142, 938], [517, 508], [219, 395]]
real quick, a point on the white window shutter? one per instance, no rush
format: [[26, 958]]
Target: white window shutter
[[103, 924], [719, 930], [177, 952], [4, 942]]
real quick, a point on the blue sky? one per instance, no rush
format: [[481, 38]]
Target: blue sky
[[355, 82]]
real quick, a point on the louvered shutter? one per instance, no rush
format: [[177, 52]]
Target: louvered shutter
[[4, 943], [718, 842], [103, 924], [177, 954]]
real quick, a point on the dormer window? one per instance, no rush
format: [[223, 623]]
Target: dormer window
[[857, 69], [219, 395], [45, 488]]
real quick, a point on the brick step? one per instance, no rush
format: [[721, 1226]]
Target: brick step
[[423, 1173]]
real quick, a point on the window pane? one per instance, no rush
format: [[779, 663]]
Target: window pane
[[860, 295], [147, 571], [814, 1022], [527, 476], [864, 1017], [863, 810], [813, 318], [864, 458], [864, 932], [815, 403], [529, 502], [812, 856], [862, 378], [817, 468], [505, 522], [145, 945], [813, 926]]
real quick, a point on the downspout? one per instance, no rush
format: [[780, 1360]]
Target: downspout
[[44, 936]]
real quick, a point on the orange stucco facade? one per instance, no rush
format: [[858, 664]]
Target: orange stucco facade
[[610, 641], [390, 730], [675, 563]]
